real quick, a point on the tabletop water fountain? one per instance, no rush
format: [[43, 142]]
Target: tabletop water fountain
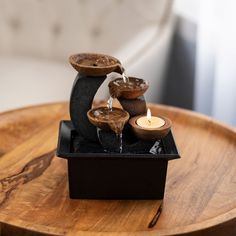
[[113, 153]]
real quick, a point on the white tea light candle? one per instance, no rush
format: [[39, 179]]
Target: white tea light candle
[[149, 121]]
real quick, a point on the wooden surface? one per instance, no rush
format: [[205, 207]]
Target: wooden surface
[[200, 196]]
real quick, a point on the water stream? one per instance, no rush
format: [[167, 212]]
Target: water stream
[[118, 136], [120, 142], [125, 77], [110, 103], [115, 143]]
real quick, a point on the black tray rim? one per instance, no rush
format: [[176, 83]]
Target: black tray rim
[[67, 124]]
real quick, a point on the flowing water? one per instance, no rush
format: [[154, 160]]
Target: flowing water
[[110, 103], [118, 136], [115, 140], [120, 142], [125, 77]]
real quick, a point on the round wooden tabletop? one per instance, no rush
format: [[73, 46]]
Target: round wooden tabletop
[[200, 197]]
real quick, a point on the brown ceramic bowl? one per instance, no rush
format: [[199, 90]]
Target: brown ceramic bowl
[[134, 88], [93, 64], [150, 134], [114, 121]]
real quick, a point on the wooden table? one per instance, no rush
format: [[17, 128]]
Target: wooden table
[[200, 196]]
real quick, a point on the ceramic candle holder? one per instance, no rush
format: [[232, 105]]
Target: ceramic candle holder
[[150, 133]]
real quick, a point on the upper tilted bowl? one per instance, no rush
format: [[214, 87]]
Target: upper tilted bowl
[[94, 64]]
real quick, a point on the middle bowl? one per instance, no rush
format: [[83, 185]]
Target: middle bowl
[[130, 89]]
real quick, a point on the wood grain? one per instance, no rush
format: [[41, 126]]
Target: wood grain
[[200, 196]]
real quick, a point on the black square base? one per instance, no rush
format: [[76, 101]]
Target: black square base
[[94, 174]]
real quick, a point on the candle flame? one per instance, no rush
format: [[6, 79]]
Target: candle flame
[[149, 115]]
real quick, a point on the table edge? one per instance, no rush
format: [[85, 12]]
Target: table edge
[[200, 226]]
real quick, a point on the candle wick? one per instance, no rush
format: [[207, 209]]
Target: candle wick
[[149, 121]]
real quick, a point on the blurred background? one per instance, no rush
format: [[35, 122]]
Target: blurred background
[[185, 48]]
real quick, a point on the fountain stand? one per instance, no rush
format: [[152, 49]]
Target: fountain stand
[[94, 173]]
